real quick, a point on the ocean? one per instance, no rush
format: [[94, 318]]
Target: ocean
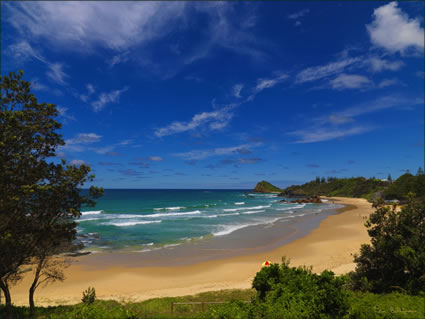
[[147, 220]]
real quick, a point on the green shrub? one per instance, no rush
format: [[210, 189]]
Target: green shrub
[[89, 295], [296, 292]]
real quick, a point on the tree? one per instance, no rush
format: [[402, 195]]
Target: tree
[[395, 259], [40, 198], [420, 171], [390, 180]]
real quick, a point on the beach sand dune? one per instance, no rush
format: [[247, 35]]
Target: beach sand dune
[[330, 246]]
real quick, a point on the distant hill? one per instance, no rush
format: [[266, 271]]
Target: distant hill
[[266, 187]]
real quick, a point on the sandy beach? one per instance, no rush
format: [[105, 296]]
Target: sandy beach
[[330, 246]]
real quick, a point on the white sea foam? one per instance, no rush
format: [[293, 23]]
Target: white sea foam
[[171, 245], [239, 203], [285, 208], [131, 223], [156, 215], [246, 208], [232, 214], [87, 220], [92, 212], [253, 212], [149, 244], [170, 208], [227, 229]]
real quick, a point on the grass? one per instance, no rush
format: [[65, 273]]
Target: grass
[[362, 306]]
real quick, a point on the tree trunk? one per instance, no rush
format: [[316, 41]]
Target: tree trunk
[[4, 286], [31, 297], [35, 285]]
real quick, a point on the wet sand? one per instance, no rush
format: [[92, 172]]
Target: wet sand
[[119, 276]]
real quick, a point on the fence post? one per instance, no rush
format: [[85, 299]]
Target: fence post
[[172, 307]]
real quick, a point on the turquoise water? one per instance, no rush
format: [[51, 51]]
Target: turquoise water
[[142, 220]]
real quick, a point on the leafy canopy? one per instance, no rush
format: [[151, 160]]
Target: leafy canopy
[[39, 197], [395, 258]]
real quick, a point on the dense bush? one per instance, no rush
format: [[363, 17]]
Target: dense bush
[[348, 187], [395, 259], [404, 185]]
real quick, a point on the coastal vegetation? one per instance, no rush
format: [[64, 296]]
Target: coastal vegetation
[[361, 187], [39, 197]]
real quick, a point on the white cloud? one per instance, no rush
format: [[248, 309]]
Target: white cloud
[[350, 81], [202, 154], [56, 73], [119, 58], [339, 119], [23, 51], [333, 126], [388, 82], [84, 138], [392, 30], [326, 134], [83, 25], [377, 65], [106, 98], [237, 88], [63, 112], [155, 158], [90, 91], [322, 71], [269, 83], [214, 120], [77, 162], [298, 14]]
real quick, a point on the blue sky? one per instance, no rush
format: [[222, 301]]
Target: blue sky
[[224, 94]]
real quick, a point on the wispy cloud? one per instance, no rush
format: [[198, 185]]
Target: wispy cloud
[[56, 73], [107, 98], [214, 120], [90, 91], [202, 154], [155, 158], [237, 88], [298, 14], [377, 64], [326, 134], [334, 125], [22, 51], [323, 71], [350, 81], [84, 138], [253, 160], [63, 112], [393, 30]]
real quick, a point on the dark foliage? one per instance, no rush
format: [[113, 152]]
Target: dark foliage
[[395, 259]]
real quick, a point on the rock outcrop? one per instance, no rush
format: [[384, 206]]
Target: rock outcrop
[[314, 200], [266, 187]]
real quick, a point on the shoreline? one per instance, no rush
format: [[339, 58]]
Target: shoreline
[[328, 246]]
